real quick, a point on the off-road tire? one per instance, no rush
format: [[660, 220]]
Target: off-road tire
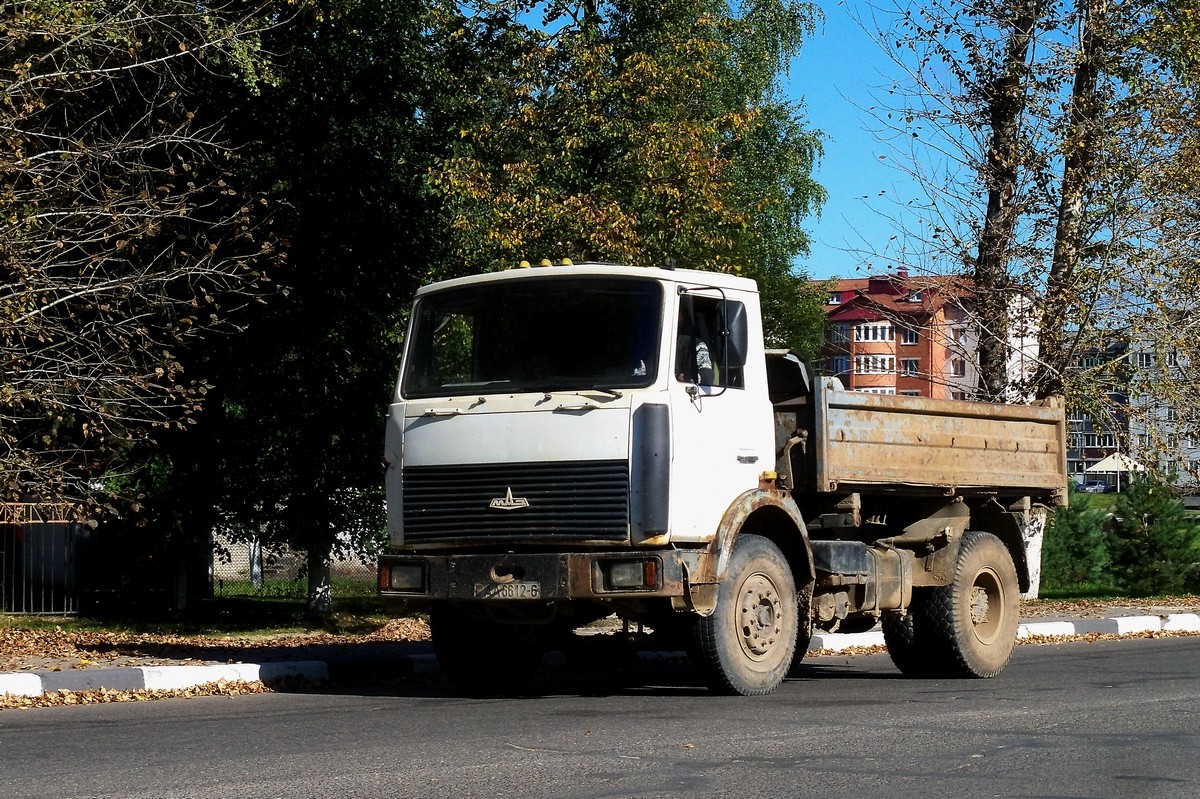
[[967, 628], [908, 639], [481, 657], [976, 616], [746, 646]]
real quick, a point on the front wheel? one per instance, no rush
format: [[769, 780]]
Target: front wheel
[[746, 646]]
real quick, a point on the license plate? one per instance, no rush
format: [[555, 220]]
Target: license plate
[[526, 589]]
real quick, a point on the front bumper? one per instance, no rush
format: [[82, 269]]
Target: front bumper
[[545, 577]]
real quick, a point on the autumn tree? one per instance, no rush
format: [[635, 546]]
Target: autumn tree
[[125, 236], [1030, 127], [634, 131]]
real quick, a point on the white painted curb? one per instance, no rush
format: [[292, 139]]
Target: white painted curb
[[1125, 625], [175, 678], [1046, 629], [1182, 623], [20, 684], [837, 642]]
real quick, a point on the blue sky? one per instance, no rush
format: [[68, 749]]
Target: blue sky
[[836, 74]]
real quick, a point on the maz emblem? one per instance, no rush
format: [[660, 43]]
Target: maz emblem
[[509, 502]]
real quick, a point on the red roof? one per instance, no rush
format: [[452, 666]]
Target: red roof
[[867, 299]]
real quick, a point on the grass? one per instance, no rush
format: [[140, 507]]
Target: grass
[[1088, 591], [343, 588]]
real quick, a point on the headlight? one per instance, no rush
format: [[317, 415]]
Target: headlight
[[409, 577]]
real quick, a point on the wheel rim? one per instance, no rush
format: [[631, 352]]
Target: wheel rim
[[760, 616], [987, 606]]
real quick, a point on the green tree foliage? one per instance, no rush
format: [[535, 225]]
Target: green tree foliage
[[1074, 551], [124, 234], [635, 131], [1154, 545], [292, 452]]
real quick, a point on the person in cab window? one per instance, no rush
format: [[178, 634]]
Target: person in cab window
[[694, 359]]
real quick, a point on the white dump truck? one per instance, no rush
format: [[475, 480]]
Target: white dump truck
[[571, 442]]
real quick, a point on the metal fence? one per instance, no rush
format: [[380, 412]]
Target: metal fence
[[38, 544], [246, 568]]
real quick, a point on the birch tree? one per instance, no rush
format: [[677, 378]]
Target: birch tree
[[1035, 131]]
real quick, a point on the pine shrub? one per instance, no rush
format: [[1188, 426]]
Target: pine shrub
[[1074, 550], [1153, 543]]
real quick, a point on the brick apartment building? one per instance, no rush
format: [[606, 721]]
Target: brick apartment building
[[897, 334]]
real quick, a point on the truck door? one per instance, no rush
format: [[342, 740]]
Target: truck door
[[721, 426]]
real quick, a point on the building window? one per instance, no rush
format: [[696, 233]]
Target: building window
[[908, 335], [1145, 360], [910, 366], [1170, 414], [874, 364], [913, 296], [874, 332], [877, 390], [910, 393], [958, 395], [840, 334], [958, 367], [840, 365], [1173, 358], [958, 335], [835, 298]]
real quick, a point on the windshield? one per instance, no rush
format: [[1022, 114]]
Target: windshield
[[551, 334]]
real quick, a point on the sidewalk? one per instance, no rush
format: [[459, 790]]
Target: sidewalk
[[383, 660]]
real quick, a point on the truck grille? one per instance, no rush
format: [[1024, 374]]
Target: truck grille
[[580, 500]]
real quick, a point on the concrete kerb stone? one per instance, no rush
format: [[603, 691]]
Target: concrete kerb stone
[[1182, 623], [160, 678], [21, 684], [838, 642], [1046, 629]]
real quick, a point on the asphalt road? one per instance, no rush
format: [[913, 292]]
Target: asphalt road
[[1111, 719]]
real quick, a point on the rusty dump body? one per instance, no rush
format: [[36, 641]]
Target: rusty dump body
[[871, 442]]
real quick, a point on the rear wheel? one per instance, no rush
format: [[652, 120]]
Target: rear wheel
[[967, 628], [907, 637], [481, 657], [976, 616], [746, 646]]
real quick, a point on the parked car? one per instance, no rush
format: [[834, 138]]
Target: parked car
[[1094, 487]]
